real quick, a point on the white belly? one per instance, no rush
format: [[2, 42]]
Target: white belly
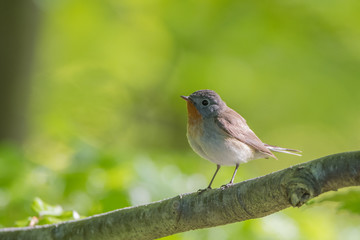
[[221, 149]]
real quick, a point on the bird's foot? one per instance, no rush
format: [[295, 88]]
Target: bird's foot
[[226, 185], [203, 190]]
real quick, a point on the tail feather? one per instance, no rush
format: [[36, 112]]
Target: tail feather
[[283, 150]]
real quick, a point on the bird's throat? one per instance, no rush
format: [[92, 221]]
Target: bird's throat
[[193, 114], [195, 124]]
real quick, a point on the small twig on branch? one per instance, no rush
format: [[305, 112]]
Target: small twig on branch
[[250, 199]]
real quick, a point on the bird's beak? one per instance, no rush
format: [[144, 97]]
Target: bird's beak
[[185, 97]]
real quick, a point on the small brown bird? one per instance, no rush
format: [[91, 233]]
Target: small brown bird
[[220, 135]]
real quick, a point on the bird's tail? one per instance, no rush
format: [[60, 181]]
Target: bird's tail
[[283, 150]]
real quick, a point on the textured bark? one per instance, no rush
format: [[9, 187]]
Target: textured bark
[[250, 199]]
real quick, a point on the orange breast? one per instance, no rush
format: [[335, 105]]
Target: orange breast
[[194, 121], [193, 113]]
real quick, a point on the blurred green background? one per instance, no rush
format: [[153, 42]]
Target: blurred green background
[[102, 124]]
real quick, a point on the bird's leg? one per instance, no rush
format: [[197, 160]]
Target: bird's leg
[[212, 179], [232, 179], [217, 169]]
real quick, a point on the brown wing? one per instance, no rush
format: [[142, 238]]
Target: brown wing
[[235, 125]]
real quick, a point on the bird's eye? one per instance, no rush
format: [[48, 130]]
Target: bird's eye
[[205, 102]]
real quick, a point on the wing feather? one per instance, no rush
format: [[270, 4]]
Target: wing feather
[[234, 125]]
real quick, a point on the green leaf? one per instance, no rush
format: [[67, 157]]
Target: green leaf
[[44, 209], [49, 220], [23, 222], [47, 214]]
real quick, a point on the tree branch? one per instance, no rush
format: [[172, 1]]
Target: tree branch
[[250, 199]]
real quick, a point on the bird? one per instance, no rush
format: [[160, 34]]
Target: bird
[[221, 135]]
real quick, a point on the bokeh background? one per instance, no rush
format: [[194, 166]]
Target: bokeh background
[[91, 117]]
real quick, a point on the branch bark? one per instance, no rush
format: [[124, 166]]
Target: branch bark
[[249, 199]]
